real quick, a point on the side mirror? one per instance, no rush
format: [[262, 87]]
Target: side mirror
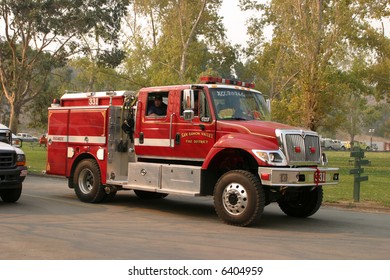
[[188, 104], [188, 99]]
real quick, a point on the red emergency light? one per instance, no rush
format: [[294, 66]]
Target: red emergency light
[[218, 80]]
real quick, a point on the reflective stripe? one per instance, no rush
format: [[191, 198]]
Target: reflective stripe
[[57, 138], [154, 142], [77, 139], [88, 139]]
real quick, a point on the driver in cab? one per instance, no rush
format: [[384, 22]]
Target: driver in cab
[[158, 108]]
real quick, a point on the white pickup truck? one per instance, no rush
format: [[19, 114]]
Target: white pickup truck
[[13, 168]]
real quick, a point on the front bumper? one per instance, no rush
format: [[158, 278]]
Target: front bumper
[[12, 176], [298, 177]]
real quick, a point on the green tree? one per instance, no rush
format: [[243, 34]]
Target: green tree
[[181, 39], [87, 75], [386, 128], [376, 117], [312, 42], [32, 29], [57, 83], [378, 74]]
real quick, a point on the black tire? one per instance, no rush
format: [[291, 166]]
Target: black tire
[[87, 182], [303, 205], [149, 195], [239, 198], [11, 195]]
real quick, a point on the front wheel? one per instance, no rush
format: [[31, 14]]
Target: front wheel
[[11, 195], [239, 198], [303, 204], [87, 181]]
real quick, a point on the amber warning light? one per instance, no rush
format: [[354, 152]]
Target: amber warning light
[[218, 80], [56, 102]]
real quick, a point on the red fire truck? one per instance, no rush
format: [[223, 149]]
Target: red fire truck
[[208, 139]]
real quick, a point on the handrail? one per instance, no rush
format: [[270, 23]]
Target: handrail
[[170, 129]]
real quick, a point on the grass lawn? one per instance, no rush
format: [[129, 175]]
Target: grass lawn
[[375, 190], [35, 157]]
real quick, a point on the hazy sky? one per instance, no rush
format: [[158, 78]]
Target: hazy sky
[[234, 21]]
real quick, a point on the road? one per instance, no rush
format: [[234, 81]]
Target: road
[[50, 223]]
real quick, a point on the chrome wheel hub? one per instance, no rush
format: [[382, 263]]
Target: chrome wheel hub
[[86, 181], [235, 199]]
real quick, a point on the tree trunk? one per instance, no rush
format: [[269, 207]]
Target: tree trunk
[[186, 41], [13, 120]]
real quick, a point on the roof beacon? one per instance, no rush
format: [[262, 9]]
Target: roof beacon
[[218, 80]]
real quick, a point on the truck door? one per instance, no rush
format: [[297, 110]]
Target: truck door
[[58, 120], [194, 139], [153, 129]]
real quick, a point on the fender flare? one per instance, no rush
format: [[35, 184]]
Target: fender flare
[[239, 141]]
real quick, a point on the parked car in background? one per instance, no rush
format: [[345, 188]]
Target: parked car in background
[[374, 147], [355, 144], [331, 144], [346, 145], [25, 137]]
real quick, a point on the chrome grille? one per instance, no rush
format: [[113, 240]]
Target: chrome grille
[[7, 160], [312, 141], [301, 147]]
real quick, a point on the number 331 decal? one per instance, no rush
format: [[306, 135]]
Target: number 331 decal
[[93, 101]]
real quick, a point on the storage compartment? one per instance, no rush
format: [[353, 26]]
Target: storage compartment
[[144, 175], [181, 179]]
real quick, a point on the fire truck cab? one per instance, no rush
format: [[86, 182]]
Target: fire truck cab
[[208, 139]]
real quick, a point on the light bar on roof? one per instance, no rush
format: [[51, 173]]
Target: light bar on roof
[[218, 80]]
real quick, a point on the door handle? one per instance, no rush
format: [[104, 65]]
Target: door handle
[[177, 138]]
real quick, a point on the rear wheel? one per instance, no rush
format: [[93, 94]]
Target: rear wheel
[[11, 195], [149, 195], [303, 204], [239, 198], [87, 181]]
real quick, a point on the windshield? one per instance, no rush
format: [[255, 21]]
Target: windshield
[[237, 104]]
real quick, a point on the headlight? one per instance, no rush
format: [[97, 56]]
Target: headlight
[[262, 155], [20, 159], [271, 157]]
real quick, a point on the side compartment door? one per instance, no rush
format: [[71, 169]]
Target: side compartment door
[[57, 141]]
